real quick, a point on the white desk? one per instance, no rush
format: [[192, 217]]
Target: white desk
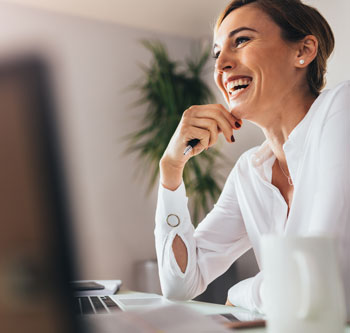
[[210, 308]]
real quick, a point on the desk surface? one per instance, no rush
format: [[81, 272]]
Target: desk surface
[[211, 308], [206, 308]]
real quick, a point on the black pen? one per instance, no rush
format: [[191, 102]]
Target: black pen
[[190, 146]]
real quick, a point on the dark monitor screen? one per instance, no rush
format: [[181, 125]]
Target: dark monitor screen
[[35, 258]]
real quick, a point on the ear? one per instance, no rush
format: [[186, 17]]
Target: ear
[[306, 51]]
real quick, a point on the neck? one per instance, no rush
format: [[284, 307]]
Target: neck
[[281, 120]]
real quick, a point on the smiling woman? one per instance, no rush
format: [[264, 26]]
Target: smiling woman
[[296, 22], [270, 64]]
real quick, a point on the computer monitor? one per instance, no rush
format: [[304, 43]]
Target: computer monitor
[[35, 256]]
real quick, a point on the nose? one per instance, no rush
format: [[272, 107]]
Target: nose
[[225, 61]]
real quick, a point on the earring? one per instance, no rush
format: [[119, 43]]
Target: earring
[[301, 61]]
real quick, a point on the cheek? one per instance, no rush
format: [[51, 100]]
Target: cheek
[[268, 67], [217, 79], [277, 63], [261, 58], [218, 82]]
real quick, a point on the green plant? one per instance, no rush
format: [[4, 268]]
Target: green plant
[[167, 89]]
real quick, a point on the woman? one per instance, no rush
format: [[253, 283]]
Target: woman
[[270, 64]]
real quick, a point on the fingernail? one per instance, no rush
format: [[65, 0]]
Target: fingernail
[[238, 125], [232, 138]]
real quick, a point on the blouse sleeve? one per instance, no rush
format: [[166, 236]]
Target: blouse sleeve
[[216, 243]]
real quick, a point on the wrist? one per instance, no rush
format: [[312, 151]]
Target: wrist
[[170, 174]]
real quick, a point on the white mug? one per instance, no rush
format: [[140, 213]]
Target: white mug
[[302, 289]]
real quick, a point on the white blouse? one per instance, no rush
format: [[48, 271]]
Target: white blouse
[[318, 155]]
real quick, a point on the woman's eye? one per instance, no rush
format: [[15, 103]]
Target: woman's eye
[[241, 40], [216, 54]]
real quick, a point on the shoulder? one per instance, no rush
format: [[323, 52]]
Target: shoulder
[[337, 97], [332, 102], [342, 87]]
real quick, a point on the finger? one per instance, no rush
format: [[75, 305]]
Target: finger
[[202, 135], [213, 112], [208, 124], [237, 122], [216, 112], [223, 126]]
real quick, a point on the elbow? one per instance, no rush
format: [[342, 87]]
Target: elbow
[[175, 292], [182, 286], [176, 296]]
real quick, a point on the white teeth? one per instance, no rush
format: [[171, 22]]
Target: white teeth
[[239, 82], [234, 92]]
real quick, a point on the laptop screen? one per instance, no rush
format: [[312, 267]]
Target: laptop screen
[[35, 259]]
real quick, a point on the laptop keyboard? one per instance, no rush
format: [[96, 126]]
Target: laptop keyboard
[[94, 304]]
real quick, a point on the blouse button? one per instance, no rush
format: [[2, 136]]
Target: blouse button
[[173, 220]]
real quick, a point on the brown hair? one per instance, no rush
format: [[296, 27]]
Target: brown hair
[[296, 21]]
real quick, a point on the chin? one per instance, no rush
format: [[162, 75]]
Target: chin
[[238, 111]]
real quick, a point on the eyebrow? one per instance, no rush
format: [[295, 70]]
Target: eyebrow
[[236, 31]]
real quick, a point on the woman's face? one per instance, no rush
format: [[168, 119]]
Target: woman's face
[[255, 68]]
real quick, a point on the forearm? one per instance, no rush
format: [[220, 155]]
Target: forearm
[[176, 247], [171, 179], [247, 294]]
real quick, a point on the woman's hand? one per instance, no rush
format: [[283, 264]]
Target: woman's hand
[[203, 122], [228, 302]]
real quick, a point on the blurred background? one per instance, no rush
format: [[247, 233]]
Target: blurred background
[[94, 50]]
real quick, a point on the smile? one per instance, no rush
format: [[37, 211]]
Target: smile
[[235, 87]]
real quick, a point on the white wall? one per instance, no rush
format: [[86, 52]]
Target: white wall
[[196, 16], [97, 62], [337, 14]]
